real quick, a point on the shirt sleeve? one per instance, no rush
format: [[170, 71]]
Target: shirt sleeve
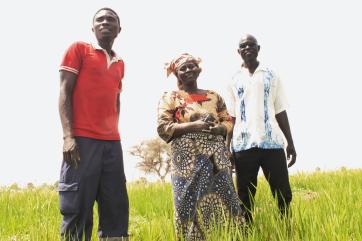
[[166, 122], [280, 102], [223, 115], [72, 59], [120, 85]]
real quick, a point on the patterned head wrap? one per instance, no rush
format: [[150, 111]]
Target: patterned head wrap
[[177, 62]]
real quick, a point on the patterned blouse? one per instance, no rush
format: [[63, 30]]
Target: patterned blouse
[[180, 107]]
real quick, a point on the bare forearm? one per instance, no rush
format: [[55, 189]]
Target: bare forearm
[[282, 119], [67, 83], [283, 122], [65, 112], [189, 127], [183, 128]]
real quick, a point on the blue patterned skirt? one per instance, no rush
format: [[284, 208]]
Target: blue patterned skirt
[[203, 189]]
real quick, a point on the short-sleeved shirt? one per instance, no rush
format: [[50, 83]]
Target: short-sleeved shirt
[[95, 94], [254, 100], [178, 107]]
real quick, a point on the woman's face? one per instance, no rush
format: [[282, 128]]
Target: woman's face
[[188, 72]]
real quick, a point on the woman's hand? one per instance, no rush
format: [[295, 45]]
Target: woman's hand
[[194, 126], [218, 130], [201, 125]]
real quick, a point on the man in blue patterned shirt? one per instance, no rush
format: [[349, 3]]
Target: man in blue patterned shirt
[[257, 104]]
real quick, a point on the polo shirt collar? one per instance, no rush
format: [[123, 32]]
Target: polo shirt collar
[[95, 45]]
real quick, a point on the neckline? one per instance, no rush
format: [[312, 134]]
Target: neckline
[[205, 93]]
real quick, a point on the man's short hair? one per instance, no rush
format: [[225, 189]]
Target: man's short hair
[[108, 9]]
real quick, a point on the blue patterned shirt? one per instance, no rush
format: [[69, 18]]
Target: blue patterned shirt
[[254, 100]]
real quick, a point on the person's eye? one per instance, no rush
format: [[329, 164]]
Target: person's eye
[[111, 19], [242, 46]]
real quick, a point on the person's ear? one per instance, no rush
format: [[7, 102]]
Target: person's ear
[[93, 29], [120, 28], [179, 84], [239, 51], [258, 48]]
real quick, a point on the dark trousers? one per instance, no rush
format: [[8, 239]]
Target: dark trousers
[[274, 165], [99, 177]]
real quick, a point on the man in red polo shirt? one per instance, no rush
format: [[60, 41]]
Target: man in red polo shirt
[[92, 168]]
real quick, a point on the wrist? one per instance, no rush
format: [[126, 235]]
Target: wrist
[[223, 130], [69, 136]]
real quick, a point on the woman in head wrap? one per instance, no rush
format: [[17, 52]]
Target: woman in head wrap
[[196, 123]]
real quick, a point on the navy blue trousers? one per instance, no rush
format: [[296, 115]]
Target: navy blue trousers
[[274, 165], [99, 177]]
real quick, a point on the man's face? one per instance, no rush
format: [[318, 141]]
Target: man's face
[[106, 25], [248, 48]]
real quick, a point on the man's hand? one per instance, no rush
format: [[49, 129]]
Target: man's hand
[[232, 161], [291, 155], [71, 152]]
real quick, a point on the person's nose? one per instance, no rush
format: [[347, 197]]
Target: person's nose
[[105, 22]]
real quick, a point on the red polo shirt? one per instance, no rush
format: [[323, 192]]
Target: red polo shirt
[[95, 93]]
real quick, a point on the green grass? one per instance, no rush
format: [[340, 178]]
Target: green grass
[[326, 206]]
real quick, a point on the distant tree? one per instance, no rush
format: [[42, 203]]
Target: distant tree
[[155, 157]]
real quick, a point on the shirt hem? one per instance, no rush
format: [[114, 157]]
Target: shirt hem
[[260, 147], [96, 136]]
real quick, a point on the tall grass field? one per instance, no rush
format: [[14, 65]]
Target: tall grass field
[[325, 206]]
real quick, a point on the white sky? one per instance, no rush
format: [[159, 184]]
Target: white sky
[[314, 45]]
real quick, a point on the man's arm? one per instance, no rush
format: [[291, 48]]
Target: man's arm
[[228, 143], [70, 150], [230, 134], [118, 103], [282, 119]]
